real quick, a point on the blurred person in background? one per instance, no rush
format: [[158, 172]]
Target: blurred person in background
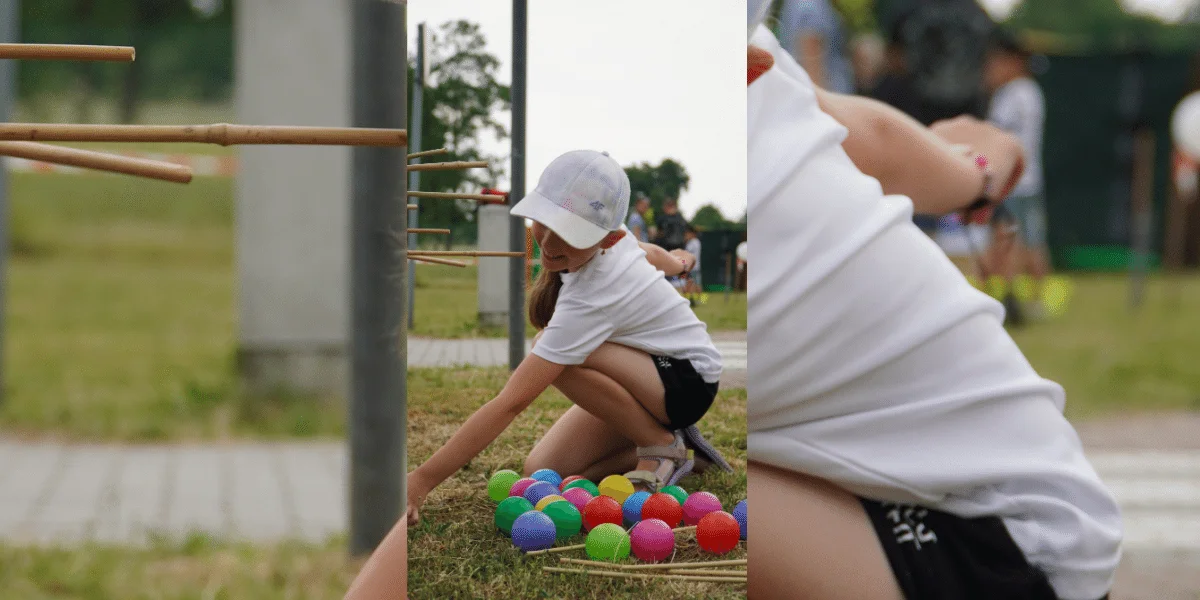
[[691, 244], [813, 32], [868, 59], [671, 226], [637, 219]]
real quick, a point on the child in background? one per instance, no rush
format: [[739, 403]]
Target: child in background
[[691, 244]]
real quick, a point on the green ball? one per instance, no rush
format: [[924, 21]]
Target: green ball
[[585, 484], [567, 520], [500, 484], [680, 494], [509, 510], [607, 541]]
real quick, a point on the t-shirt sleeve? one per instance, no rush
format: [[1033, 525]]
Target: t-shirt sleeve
[[574, 332]]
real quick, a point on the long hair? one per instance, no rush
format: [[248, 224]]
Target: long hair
[[543, 296]]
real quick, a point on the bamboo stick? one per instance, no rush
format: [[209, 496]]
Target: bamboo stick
[[468, 253], [559, 549], [427, 153], [488, 198], [719, 572], [428, 230], [412, 207], [446, 166], [67, 52], [684, 528], [222, 134], [99, 161], [437, 261], [624, 575], [590, 563], [661, 566]]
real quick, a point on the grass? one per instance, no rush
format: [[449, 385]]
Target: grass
[[455, 551], [193, 569]]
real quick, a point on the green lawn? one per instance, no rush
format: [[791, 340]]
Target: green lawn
[[455, 552]]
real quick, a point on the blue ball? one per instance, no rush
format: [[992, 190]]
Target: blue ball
[[633, 507], [533, 531], [550, 476], [539, 490], [739, 513]]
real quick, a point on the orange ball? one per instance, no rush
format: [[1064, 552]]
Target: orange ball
[[663, 507], [718, 532]]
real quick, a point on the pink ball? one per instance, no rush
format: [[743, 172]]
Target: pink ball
[[699, 504], [652, 540], [578, 496], [522, 484]]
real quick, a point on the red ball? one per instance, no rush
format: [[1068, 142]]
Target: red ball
[[718, 532], [600, 510], [663, 507], [563, 485]]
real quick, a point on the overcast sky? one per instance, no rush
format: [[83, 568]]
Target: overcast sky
[[643, 79], [1167, 9]]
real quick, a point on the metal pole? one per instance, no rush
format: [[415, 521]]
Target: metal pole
[[516, 237], [414, 145], [378, 271], [9, 32]]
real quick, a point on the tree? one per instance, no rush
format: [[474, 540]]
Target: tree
[[709, 218], [459, 108], [657, 182]]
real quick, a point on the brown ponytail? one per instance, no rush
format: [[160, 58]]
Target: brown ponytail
[[543, 296]]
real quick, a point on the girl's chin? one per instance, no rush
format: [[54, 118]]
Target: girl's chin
[[555, 267]]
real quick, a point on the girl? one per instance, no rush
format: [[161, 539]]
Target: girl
[[615, 338], [901, 446]]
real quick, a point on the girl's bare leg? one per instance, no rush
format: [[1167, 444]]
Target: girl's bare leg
[[811, 539], [619, 405], [385, 574]]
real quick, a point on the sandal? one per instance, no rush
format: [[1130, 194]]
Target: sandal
[[680, 465], [705, 454]]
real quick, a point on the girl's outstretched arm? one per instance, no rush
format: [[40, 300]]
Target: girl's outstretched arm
[[385, 574], [671, 263], [531, 378]]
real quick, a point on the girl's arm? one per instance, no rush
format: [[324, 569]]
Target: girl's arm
[[385, 574], [530, 379], [919, 162], [671, 264]]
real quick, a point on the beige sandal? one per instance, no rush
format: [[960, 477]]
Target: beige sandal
[[674, 463]]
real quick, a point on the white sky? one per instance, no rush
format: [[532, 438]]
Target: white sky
[[1167, 9], [642, 79]]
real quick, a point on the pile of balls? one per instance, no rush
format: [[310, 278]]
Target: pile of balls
[[538, 510]]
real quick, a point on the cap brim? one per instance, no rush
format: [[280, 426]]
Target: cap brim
[[573, 229]]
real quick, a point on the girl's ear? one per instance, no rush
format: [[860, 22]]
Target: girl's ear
[[611, 239]]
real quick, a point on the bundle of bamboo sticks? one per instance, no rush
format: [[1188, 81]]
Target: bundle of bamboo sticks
[[708, 571]]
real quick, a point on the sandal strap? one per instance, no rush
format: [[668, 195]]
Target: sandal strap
[[647, 478], [675, 453]]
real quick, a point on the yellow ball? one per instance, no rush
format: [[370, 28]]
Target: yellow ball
[[544, 502], [616, 487]]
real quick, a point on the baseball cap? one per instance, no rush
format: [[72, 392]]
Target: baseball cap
[[582, 196]]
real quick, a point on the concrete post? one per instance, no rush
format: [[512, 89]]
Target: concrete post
[[293, 68], [494, 222]]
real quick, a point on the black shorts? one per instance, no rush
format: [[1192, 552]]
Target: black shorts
[[688, 396], [938, 556]]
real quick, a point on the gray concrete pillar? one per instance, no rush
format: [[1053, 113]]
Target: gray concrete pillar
[[293, 66], [493, 272]]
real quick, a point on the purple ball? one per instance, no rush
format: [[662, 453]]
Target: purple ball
[[652, 540], [739, 513], [533, 531], [539, 490], [698, 505], [578, 496]]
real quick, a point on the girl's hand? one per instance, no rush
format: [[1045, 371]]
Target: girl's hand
[[1003, 151], [687, 258], [417, 491]]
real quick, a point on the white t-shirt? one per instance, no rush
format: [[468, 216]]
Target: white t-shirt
[[620, 297], [875, 365], [1019, 108]]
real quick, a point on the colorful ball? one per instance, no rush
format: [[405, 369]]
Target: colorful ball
[[533, 531], [679, 493], [519, 486], [501, 483], [563, 486], [652, 540], [632, 507], [549, 476], [585, 484], [718, 532], [509, 509], [539, 490], [600, 510], [567, 519], [696, 506], [546, 501], [739, 513], [617, 487], [578, 496], [664, 507], [608, 541]]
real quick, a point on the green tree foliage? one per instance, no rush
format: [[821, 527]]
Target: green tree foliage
[[460, 105], [657, 182], [709, 218], [1099, 25]]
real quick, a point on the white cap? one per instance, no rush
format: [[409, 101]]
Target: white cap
[[582, 196]]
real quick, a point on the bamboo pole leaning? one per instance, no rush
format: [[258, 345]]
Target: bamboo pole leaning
[[447, 166], [67, 52], [485, 198], [222, 134], [99, 161], [479, 253], [437, 261]]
